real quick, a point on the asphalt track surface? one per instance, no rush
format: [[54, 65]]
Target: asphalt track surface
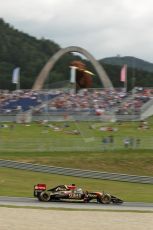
[[33, 202]]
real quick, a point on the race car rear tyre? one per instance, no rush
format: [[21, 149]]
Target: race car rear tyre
[[39, 198], [106, 199], [44, 196]]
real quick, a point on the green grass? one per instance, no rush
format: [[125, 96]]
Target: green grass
[[36, 137], [15, 182], [40, 144], [128, 162]]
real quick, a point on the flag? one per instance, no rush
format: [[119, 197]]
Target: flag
[[123, 73], [15, 75], [73, 74]]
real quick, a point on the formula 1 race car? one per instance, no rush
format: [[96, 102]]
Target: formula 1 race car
[[72, 192]]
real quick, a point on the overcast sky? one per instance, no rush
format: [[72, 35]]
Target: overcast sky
[[103, 27]]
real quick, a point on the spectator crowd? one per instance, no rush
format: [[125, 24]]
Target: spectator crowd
[[93, 101]]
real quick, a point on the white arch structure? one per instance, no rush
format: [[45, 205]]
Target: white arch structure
[[51, 62]]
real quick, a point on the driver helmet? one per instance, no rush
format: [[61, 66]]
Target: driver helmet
[[79, 190]]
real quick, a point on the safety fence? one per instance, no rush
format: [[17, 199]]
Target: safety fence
[[76, 172], [27, 117], [47, 142]]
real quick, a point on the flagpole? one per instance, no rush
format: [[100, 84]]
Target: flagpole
[[123, 76], [125, 83], [18, 83]]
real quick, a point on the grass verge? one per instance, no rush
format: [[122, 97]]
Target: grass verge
[[14, 182], [128, 162]]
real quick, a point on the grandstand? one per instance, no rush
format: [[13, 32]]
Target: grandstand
[[22, 101], [87, 104]]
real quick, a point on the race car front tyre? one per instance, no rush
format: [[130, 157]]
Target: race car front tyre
[[106, 199]]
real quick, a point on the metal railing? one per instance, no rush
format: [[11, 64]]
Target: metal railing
[[48, 143]]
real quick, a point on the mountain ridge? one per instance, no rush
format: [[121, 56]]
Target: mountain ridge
[[132, 62]]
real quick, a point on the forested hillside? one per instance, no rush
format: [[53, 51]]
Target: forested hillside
[[18, 49]]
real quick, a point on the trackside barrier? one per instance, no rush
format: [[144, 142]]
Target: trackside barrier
[[76, 172]]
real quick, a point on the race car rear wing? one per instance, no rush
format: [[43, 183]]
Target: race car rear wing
[[40, 187]]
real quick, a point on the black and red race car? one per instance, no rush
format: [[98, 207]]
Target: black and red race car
[[72, 192]]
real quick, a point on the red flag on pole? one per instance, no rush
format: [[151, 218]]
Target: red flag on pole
[[123, 73]]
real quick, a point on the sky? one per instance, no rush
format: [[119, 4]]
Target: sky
[[105, 28]]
